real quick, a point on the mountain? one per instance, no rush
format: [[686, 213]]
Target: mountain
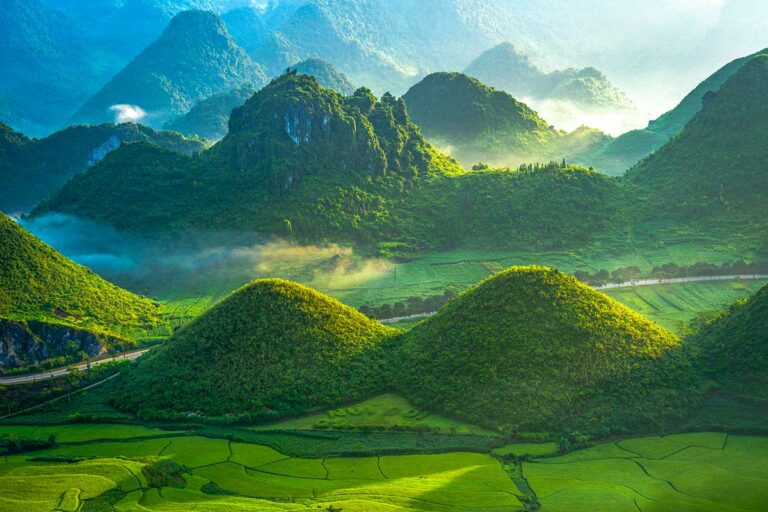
[[47, 301], [299, 160], [271, 348], [534, 349], [327, 75], [320, 30], [194, 58], [628, 149], [733, 349], [506, 68], [32, 169], [209, 118], [483, 124], [711, 175], [45, 62], [304, 163]]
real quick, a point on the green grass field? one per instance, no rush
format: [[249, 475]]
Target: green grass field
[[684, 472], [382, 412]]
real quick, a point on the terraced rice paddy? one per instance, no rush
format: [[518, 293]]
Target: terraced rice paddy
[[686, 472]]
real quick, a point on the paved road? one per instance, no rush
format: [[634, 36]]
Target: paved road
[[25, 379], [611, 286]]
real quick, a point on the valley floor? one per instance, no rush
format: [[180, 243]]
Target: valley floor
[[99, 467]]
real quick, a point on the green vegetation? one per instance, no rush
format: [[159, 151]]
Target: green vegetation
[[488, 125], [383, 412], [696, 471], [270, 349], [733, 347], [701, 472], [194, 58], [32, 169], [326, 75], [566, 356], [708, 175], [39, 283], [622, 153], [209, 117]]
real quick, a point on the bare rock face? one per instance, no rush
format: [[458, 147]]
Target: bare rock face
[[27, 343]]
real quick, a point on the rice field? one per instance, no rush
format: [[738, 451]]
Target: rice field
[[684, 472]]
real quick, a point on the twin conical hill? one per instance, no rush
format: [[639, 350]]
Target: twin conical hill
[[532, 348], [273, 347]]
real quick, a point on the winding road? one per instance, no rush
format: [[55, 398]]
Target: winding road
[[613, 286], [131, 356], [52, 374]]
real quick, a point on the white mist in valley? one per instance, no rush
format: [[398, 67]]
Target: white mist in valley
[[206, 262]]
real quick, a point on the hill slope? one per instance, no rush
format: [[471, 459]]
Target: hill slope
[[31, 170], [733, 349], [532, 348], [476, 123], [507, 69], [299, 161], [628, 149], [194, 58], [271, 348], [209, 118], [711, 175], [36, 282]]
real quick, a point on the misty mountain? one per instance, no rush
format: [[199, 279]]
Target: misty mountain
[[506, 68], [477, 123], [628, 149], [194, 58], [32, 169], [713, 173]]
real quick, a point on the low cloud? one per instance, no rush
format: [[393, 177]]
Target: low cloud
[[207, 262], [125, 113]]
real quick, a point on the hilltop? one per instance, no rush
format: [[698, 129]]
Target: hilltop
[[559, 354], [32, 169], [477, 123], [711, 175], [733, 348], [194, 58], [209, 118], [299, 161], [272, 348], [326, 74], [506, 68], [628, 149]]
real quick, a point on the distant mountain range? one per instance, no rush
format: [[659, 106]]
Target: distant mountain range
[[476, 123], [193, 59], [506, 68]]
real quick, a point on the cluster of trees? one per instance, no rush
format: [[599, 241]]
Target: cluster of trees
[[671, 270], [407, 307], [10, 444]]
